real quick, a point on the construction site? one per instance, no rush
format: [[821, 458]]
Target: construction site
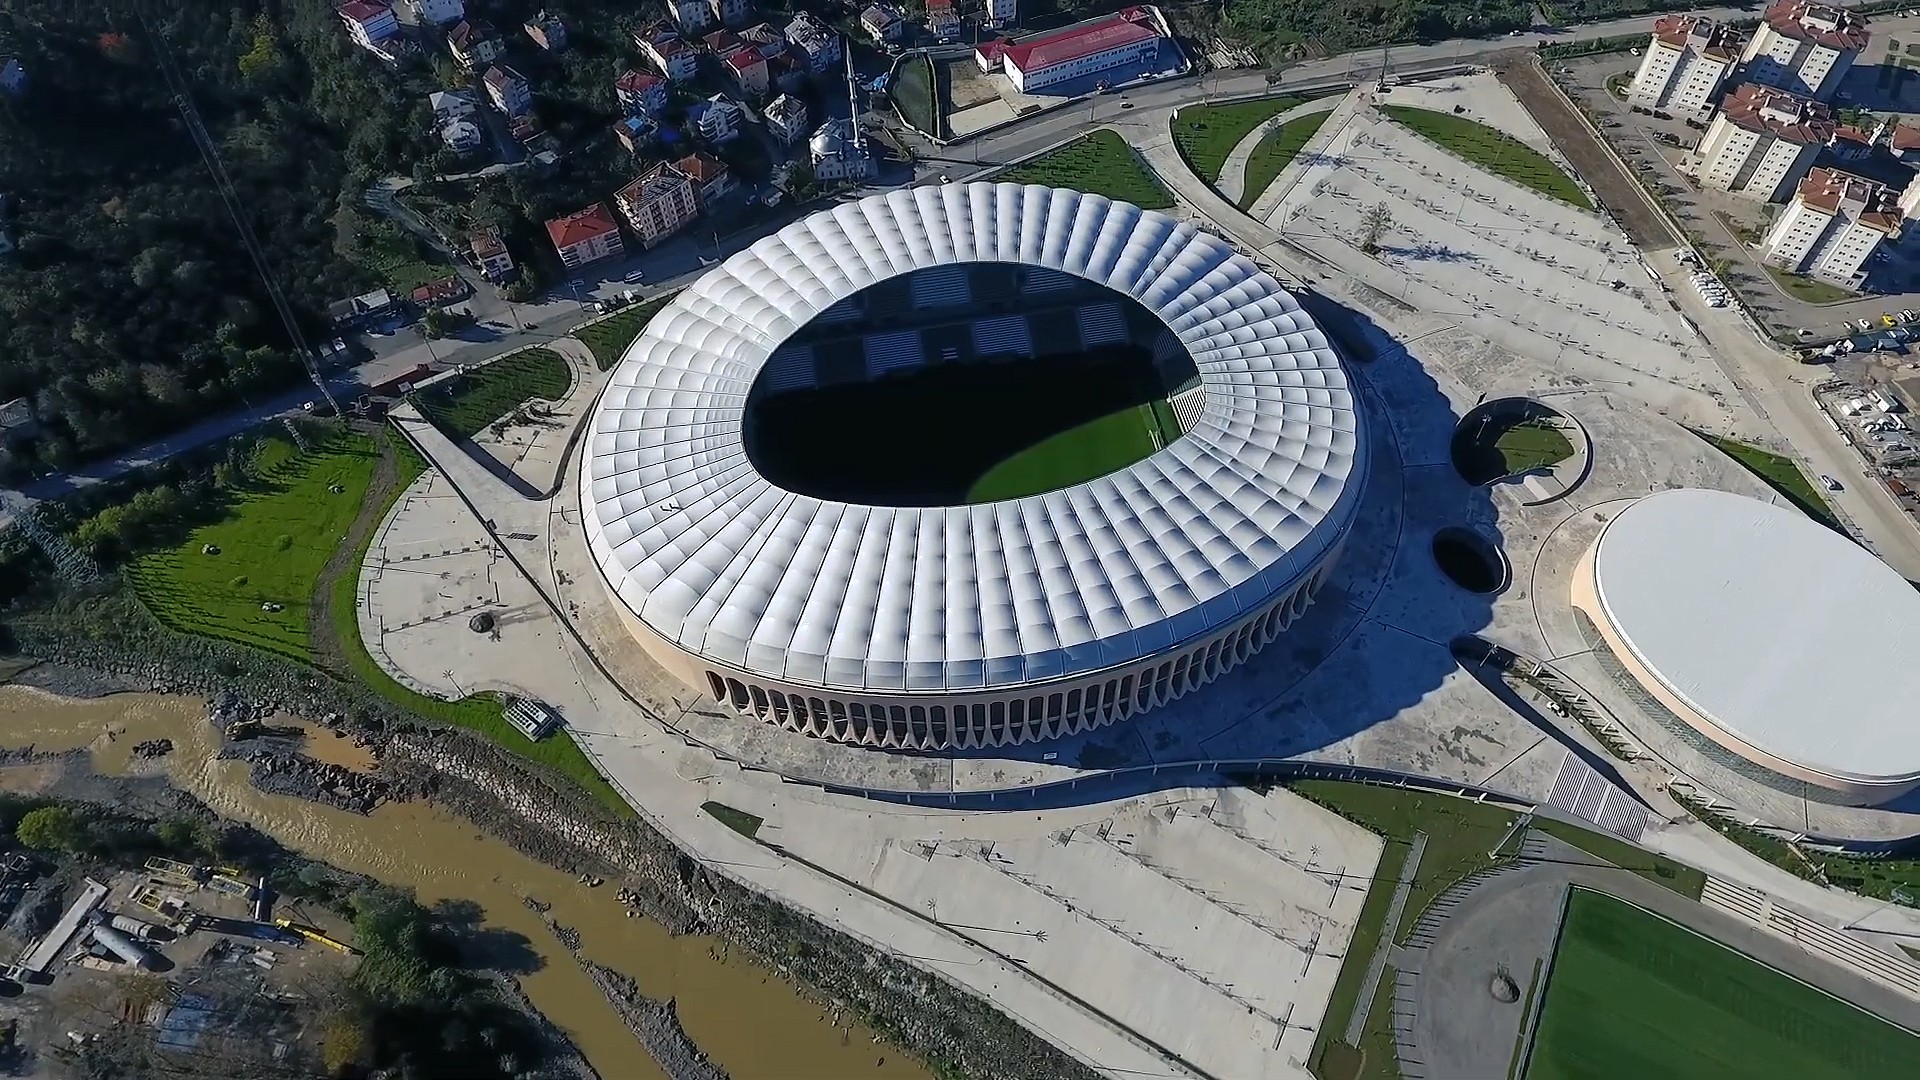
[[171, 969]]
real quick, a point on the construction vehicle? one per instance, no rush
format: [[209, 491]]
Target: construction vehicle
[[177, 873], [312, 934], [243, 729]]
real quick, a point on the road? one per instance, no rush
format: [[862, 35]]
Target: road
[[675, 263]]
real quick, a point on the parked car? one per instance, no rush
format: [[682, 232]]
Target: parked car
[[1830, 482]]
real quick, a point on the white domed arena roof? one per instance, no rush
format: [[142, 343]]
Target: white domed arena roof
[[715, 559], [1771, 626]]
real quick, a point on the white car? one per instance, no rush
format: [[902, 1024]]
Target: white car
[[1830, 482]]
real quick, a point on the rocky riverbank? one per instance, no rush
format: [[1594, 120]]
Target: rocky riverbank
[[656, 1024], [550, 820]]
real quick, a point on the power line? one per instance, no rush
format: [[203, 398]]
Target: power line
[[236, 209]]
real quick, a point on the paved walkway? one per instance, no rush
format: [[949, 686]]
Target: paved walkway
[[1233, 175], [1345, 108]]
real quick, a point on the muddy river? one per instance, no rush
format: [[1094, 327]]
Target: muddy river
[[748, 1019]]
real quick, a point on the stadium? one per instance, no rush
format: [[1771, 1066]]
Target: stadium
[[970, 465], [1764, 640]]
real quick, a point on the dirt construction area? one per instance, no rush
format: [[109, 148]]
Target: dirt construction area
[[1619, 193]]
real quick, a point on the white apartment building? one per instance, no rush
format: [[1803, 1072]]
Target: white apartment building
[[657, 205], [1687, 60], [1833, 226], [1003, 12], [368, 24], [1805, 47], [787, 119], [1761, 143], [437, 12]]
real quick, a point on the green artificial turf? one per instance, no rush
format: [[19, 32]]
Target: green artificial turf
[[272, 543], [1207, 134], [1100, 164], [1781, 474], [1633, 995], [1276, 151], [1495, 151], [1074, 456], [608, 339], [464, 407]]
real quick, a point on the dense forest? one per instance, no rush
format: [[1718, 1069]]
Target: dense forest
[[130, 304]]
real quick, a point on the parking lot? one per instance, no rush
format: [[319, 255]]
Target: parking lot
[[1725, 226]]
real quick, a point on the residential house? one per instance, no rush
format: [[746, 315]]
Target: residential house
[[820, 44], [356, 309], [1762, 142], [525, 128], [731, 12], [1833, 226], [1850, 143], [1687, 60], [636, 133], [788, 73], [462, 136], [942, 21], [368, 23], [490, 255], [642, 93], [709, 175], [1805, 47], [787, 119], [509, 91], [448, 290], [748, 70], [691, 16], [671, 55], [657, 205], [436, 12], [451, 105], [723, 43], [13, 76], [764, 39], [17, 425], [1904, 142], [586, 237], [1003, 12], [475, 45], [717, 119], [547, 31], [882, 23], [839, 153]]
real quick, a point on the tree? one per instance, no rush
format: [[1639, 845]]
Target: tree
[[1373, 225], [52, 828]]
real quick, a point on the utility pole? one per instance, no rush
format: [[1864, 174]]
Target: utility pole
[[177, 86]]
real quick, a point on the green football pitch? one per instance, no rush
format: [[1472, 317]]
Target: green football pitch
[[1633, 995], [1079, 454]]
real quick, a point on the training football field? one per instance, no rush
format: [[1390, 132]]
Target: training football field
[[1633, 995]]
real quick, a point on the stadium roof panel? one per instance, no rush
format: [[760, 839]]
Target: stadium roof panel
[[1774, 628], [719, 562]]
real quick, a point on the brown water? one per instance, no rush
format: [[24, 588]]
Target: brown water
[[748, 1019]]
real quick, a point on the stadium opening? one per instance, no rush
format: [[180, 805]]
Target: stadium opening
[[970, 465]]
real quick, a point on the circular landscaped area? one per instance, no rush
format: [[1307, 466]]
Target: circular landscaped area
[[1511, 437]]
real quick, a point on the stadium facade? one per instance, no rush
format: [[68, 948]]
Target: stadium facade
[[969, 624], [1765, 641]]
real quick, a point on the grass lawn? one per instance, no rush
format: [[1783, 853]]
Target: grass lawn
[[913, 92], [1074, 456], [1502, 448], [272, 544], [1495, 151], [1658, 869], [1805, 288], [392, 256], [1460, 834], [608, 339], [1206, 134], [1631, 994], [1276, 151], [480, 713], [1101, 164], [464, 407], [738, 820], [1782, 475]]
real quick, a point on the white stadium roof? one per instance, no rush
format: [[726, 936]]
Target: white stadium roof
[[718, 561], [1771, 626]]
